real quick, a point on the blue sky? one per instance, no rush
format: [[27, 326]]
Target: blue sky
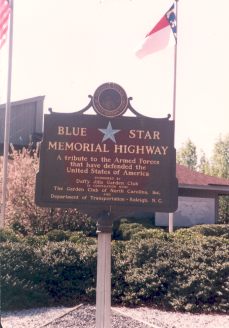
[[65, 50]]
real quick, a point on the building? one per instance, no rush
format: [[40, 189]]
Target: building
[[198, 198], [26, 122]]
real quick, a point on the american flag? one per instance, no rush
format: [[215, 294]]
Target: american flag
[[4, 16]]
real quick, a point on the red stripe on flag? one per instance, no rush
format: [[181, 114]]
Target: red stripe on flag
[[160, 25]]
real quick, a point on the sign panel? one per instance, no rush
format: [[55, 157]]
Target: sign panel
[[115, 163]]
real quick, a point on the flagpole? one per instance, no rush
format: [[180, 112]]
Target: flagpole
[[7, 119], [171, 215], [175, 67]]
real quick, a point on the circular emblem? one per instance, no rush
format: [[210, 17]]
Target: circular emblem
[[110, 100]]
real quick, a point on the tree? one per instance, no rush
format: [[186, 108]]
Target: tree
[[187, 155], [220, 158], [204, 164], [220, 168], [23, 215]]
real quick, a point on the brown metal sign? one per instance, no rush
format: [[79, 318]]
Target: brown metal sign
[[95, 162]]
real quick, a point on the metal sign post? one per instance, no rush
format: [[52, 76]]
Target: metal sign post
[[103, 286]]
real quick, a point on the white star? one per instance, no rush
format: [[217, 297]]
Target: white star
[[109, 133]]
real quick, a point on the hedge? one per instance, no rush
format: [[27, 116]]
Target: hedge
[[217, 230], [176, 275], [54, 273], [184, 271]]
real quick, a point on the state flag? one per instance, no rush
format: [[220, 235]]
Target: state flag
[[161, 36]]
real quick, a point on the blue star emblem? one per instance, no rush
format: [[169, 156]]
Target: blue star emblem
[[109, 133]]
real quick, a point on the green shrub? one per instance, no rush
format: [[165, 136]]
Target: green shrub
[[184, 271], [69, 271], [223, 217], [21, 277], [127, 230], [80, 238], [151, 233], [8, 235], [57, 235], [185, 233], [18, 227], [55, 273], [145, 222], [36, 241], [77, 237], [179, 274], [42, 220], [217, 230]]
